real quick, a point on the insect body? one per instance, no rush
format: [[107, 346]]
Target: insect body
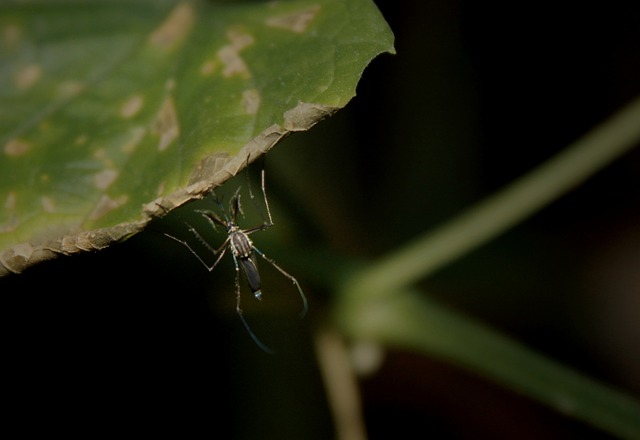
[[242, 250]]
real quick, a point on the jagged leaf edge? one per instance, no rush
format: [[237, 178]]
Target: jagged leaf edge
[[211, 172]]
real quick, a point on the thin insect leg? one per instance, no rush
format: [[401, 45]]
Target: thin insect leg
[[265, 222], [305, 305], [256, 229], [253, 198], [220, 252], [266, 202], [204, 242], [258, 342], [261, 227]]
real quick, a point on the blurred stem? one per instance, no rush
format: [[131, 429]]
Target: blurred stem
[[340, 384], [413, 321], [430, 252], [376, 302]]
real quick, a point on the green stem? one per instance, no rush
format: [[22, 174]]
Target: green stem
[[415, 322], [579, 161]]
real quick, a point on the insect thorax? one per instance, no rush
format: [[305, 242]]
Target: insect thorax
[[241, 245]]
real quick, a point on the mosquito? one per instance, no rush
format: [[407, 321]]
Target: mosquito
[[242, 250]]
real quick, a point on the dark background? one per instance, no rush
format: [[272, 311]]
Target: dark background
[[140, 337]]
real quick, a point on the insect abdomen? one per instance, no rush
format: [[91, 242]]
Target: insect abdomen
[[253, 276]]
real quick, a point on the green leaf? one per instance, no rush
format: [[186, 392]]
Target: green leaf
[[113, 113]]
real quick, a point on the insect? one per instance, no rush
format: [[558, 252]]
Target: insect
[[242, 250]]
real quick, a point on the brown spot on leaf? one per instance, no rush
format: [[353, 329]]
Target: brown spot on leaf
[[28, 76], [166, 124], [10, 201], [48, 204], [107, 204], [230, 57], [297, 22], [11, 34], [16, 147], [105, 178], [251, 101], [174, 28], [70, 88], [208, 67], [136, 136], [131, 106]]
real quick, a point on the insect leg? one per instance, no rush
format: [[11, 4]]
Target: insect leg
[[219, 252], [266, 203], [204, 242], [305, 305], [266, 222]]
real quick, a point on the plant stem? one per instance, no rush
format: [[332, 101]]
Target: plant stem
[[413, 321], [428, 253]]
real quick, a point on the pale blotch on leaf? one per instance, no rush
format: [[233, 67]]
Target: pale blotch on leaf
[[297, 22], [174, 28], [208, 68], [170, 85], [107, 204], [69, 89], [230, 57], [136, 136], [16, 147], [9, 212], [101, 155], [161, 188], [131, 106], [11, 34], [166, 124], [105, 178], [48, 204], [28, 76], [251, 101], [81, 140], [10, 201]]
